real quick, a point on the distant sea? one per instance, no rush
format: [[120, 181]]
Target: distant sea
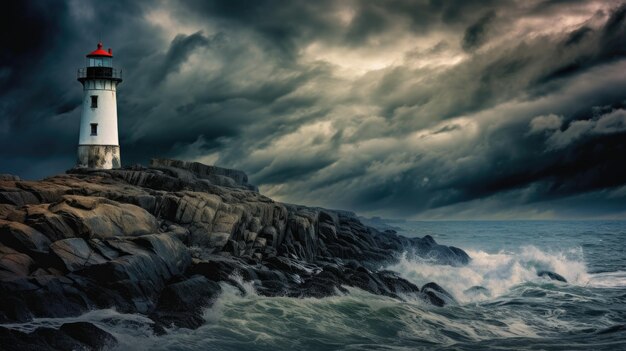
[[514, 309]]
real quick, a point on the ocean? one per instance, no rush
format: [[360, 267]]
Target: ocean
[[513, 310]]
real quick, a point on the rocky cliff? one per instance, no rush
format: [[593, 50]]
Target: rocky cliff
[[160, 240]]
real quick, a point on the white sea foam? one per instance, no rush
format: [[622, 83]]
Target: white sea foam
[[497, 272], [607, 280]]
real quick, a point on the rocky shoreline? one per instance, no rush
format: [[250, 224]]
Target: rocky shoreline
[[160, 240]]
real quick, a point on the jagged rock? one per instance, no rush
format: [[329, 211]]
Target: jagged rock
[[255, 225], [75, 254], [216, 269], [192, 207], [269, 234], [124, 238], [180, 232], [214, 240], [216, 175], [249, 236]]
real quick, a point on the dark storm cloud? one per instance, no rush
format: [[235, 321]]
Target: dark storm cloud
[[475, 34], [402, 107], [180, 49]]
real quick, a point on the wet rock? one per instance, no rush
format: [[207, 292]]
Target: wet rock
[[170, 249], [189, 294], [103, 249], [217, 268], [13, 340], [181, 304], [211, 240], [89, 334], [396, 284], [427, 248], [124, 238], [75, 254], [141, 272], [437, 295], [552, 276]]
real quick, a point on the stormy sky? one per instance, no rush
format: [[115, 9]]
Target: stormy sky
[[400, 108]]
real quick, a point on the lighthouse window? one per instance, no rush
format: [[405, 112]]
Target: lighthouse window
[[94, 101], [94, 129]]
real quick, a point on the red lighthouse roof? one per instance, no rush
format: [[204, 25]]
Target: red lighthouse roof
[[100, 53]]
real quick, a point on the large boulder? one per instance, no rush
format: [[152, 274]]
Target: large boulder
[[215, 175], [427, 248], [182, 303], [170, 249], [14, 264], [89, 334], [142, 270], [52, 225], [75, 254], [23, 238], [102, 218]]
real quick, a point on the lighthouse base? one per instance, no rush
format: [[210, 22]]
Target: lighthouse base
[[98, 156]]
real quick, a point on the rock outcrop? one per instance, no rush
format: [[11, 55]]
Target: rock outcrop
[[160, 240], [70, 336]]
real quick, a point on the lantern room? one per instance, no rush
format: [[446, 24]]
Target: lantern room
[[99, 65], [100, 58]]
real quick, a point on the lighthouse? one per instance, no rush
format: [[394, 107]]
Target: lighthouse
[[98, 144]]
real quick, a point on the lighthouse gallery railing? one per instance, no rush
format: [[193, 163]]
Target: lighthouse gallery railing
[[99, 72]]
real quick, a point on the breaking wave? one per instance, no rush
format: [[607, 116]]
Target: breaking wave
[[497, 273]]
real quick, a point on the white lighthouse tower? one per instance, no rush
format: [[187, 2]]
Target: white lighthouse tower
[[98, 144]]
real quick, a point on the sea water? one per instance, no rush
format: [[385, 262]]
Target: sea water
[[513, 309]]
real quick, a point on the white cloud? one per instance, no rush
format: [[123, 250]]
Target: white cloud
[[612, 122], [545, 123]]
